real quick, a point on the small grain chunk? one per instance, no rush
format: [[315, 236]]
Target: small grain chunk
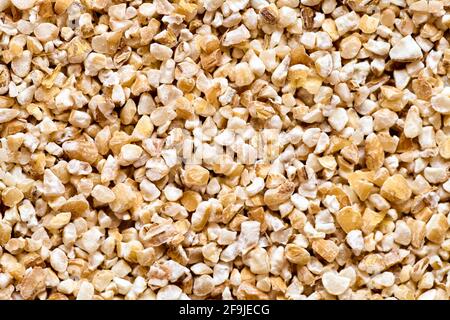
[[103, 194], [327, 249], [224, 149], [334, 283], [196, 175], [436, 228], [396, 188], [33, 283], [406, 50], [349, 219]]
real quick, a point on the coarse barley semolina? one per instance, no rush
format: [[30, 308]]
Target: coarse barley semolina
[[224, 149]]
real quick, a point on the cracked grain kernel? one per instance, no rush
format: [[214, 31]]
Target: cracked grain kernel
[[196, 175], [33, 283], [374, 152], [103, 194], [277, 196], [436, 228], [396, 188], [269, 14], [334, 283], [296, 254], [371, 219], [349, 219], [11, 196], [327, 249]]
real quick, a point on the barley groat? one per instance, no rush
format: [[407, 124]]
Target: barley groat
[[224, 149]]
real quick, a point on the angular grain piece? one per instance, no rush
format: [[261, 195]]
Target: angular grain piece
[[444, 148], [436, 228], [422, 89], [441, 101], [349, 47], [156, 235], [81, 150], [258, 261], [371, 219], [86, 291], [46, 32], [5, 233], [103, 194], [125, 198], [282, 193], [249, 236], [418, 230], [247, 291], [196, 175], [201, 215], [269, 14], [211, 61], [7, 115], [33, 283], [4, 79], [374, 152], [52, 184], [77, 205], [236, 36], [62, 5], [334, 283], [77, 50], [396, 188], [11, 196], [406, 50], [307, 15], [297, 254], [360, 182], [413, 123], [58, 221], [372, 264], [327, 249], [349, 219]]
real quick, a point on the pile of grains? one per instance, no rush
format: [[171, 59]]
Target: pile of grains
[[224, 149]]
